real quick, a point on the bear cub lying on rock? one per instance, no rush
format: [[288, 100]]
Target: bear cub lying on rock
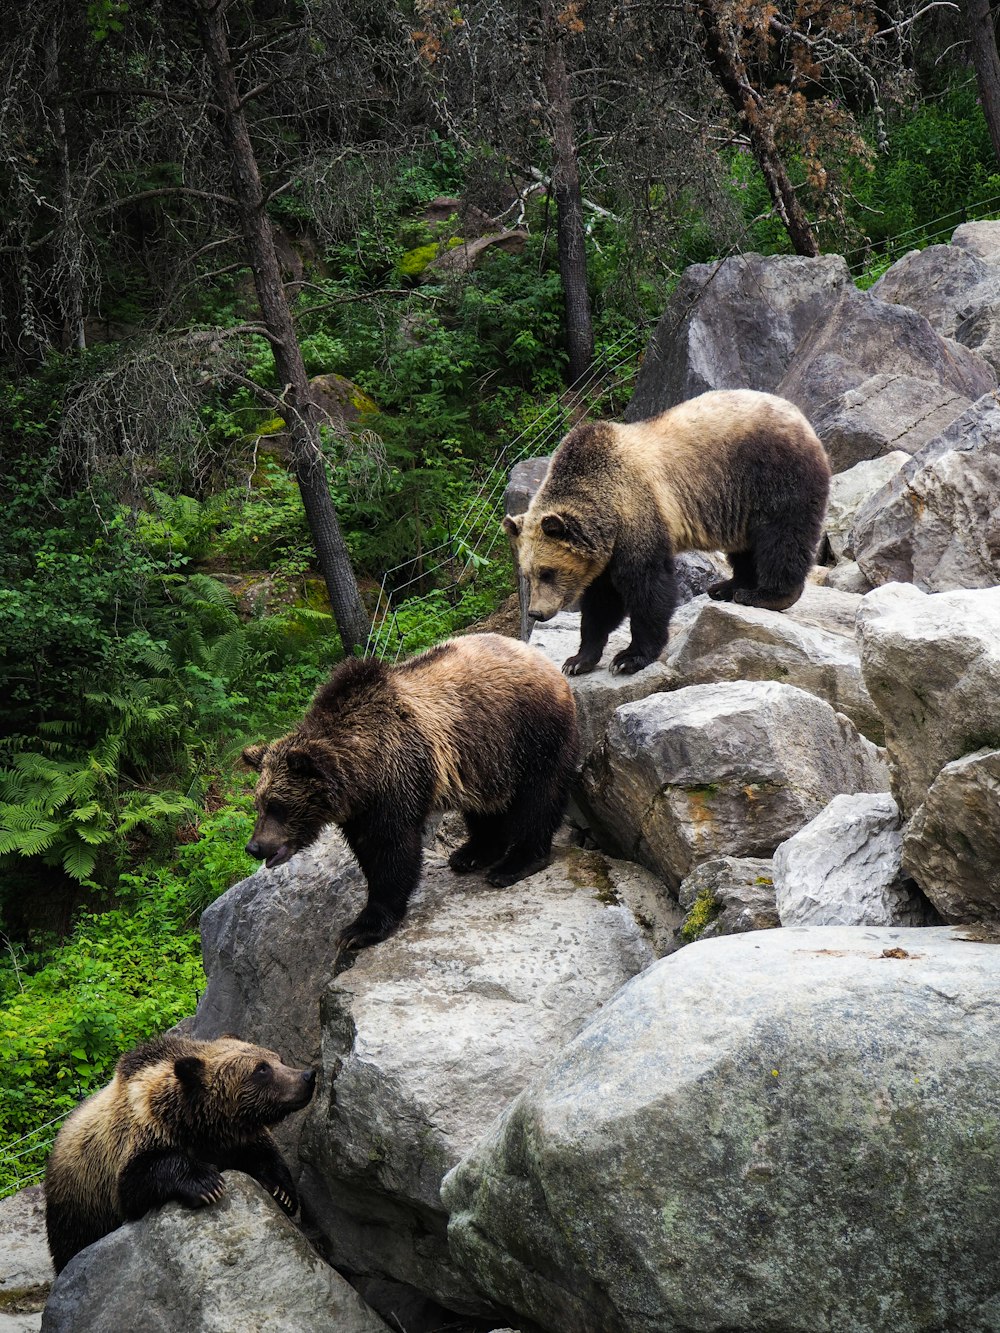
[[481, 724], [177, 1113], [731, 470]]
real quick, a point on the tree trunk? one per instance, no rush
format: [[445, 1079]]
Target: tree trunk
[[569, 203], [310, 466], [724, 57], [983, 44], [68, 243]]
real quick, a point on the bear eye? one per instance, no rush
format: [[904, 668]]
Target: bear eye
[[262, 1069], [547, 576], [276, 810]]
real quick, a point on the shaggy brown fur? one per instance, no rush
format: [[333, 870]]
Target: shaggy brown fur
[[482, 724], [736, 471], [177, 1113]]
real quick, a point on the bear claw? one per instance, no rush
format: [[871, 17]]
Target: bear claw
[[627, 664]]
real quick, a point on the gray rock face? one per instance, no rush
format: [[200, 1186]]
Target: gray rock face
[[864, 337], [937, 522], [721, 770], [784, 1130], [952, 844], [730, 642], [269, 944], [844, 868], [734, 325], [937, 282], [847, 577], [932, 666], [237, 1266], [884, 414], [726, 897], [850, 490], [979, 238], [428, 1036], [598, 693], [25, 1266]]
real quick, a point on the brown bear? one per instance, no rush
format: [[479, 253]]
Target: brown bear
[[481, 724], [731, 470], [177, 1113]]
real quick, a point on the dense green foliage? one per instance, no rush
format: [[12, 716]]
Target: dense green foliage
[[147, 631]]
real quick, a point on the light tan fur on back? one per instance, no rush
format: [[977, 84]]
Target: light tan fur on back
[[683, 455], [489, 674]]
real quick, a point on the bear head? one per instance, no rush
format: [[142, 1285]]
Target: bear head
[[227, 1089], [560, 554], [299, 792]]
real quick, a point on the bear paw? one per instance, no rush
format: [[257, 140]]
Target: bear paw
[[628, 662], [579, 665], [466, 858], [370, 926], [202, 1187], [722, 592]]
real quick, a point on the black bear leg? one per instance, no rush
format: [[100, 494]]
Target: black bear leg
[[744, 576], [531, 822], [602, 610], [781, 560], [391, 859], [652, 595], [486, 843], [156, 1177]]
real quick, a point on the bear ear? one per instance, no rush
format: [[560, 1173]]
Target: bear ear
[[566, 528], [189, 1070], [512, 526], [253, 755], [309, 760]]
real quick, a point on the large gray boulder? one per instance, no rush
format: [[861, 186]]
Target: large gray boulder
[[729, 642], [884, 414], [955, 286], [429, 1035], [790, 1130], [932, 666], [936, 523], [236, 1266], [940, 282], [269, 947], [844, 868], [952, 843], [730, 769], [26, 1272], [861, 339], [734, 324], [979, 238], [852, 489]]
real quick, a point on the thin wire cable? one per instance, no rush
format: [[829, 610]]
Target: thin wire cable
[[487, 497], [494, 482]]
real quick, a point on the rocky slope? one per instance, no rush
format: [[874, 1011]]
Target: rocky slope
[[721, 1066]]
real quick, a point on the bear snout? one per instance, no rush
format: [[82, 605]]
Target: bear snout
[[270, 853]]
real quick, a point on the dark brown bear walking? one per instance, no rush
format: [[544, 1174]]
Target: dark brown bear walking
[[177, 1113], [482, 724], [732, 470]]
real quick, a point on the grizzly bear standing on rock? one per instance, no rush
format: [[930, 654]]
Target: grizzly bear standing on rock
[[732, 470], [177, 1113], [482, 724]]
